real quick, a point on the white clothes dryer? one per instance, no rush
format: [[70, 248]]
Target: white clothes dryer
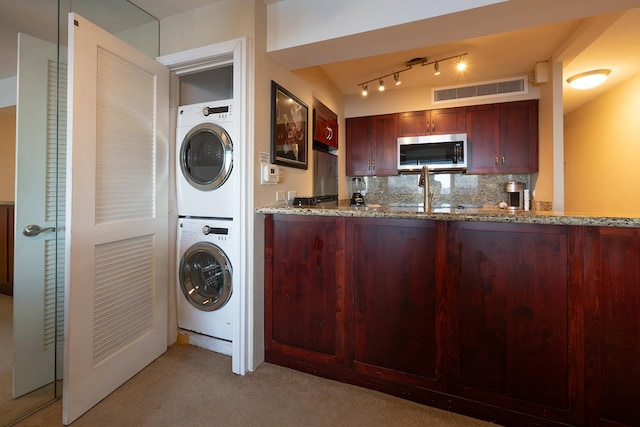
[[207, 254], [207, 176]]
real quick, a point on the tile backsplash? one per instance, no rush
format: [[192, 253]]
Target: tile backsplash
[[453, 189]]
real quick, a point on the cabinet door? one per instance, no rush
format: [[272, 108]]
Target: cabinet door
[[394, 295], [358, 146], [332, 132], [519, 137], [483, 139], [325, 128], [448, 120], [513, 314], [302, 305], [611, 326], [384, 145], [413, 123]]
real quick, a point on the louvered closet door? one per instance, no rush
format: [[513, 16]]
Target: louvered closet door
[[117, 212], [40, 184]]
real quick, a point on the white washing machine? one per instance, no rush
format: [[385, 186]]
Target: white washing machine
[[207, 176], [207, 257]]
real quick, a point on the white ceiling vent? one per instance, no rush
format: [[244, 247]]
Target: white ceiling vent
[[491, 89]]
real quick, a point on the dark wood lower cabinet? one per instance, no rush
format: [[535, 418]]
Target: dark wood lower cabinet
[[612, 326], [523, 325], [392, 278]]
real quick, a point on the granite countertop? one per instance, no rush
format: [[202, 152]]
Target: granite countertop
[[463, 214]]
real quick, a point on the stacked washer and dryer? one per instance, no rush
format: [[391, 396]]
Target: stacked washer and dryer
[[208, 199]]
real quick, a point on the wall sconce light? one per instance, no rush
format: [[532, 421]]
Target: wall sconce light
[[408, 66], [589, 79]]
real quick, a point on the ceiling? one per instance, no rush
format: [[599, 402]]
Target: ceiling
[[606, 41]]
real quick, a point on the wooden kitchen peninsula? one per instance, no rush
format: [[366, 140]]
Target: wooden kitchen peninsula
[[521, 319]]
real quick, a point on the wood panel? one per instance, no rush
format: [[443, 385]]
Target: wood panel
[[358, 146], [6, 249], [394, 296], [519, 136], [385, 145], [483, 138], [303, 302], [612, 330], [513, 311]]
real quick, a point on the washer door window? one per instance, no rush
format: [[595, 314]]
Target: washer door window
[[206, 156], [205, 276]]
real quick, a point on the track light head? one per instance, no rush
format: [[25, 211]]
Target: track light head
[[396, 77], [461, 65], [381, 87], [436, 68], [365, 89]]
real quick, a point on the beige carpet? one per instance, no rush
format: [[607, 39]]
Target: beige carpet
[[188, 386], [10, 408]]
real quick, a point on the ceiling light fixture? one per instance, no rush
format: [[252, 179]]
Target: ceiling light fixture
[[461, 65], [409, 65], [589, 79]]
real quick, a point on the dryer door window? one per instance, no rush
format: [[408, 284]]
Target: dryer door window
[[205, 276], [206, 156]]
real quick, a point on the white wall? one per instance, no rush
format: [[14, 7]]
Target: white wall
[[8, 91], [229, 19]]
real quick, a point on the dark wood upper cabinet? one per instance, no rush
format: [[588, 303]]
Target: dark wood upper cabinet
[[325, 125], [503, 138], [372, 147], [432, 122]]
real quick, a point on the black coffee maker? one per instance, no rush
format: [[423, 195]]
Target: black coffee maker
[[358, 186]]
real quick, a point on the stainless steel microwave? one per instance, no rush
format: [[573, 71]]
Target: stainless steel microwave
[[439, 152]]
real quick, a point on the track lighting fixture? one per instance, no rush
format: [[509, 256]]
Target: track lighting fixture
[[408, 65]]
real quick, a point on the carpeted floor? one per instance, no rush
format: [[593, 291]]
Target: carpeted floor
[[188, 386]]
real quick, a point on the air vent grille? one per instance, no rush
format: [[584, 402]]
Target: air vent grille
[[492, 89]]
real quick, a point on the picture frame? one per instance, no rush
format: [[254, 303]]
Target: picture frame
[[289, 129]]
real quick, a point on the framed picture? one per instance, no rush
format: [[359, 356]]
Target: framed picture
[[289, 137]]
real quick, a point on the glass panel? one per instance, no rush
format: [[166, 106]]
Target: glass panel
[[41, 110]]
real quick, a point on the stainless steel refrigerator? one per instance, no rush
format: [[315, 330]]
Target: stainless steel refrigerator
[[325, 178]]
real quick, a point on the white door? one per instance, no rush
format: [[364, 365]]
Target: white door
[[37, 325], [116, 286]]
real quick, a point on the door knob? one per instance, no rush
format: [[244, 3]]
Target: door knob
[[33, 230]]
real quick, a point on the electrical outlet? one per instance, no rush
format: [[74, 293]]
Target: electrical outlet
[[291, 195], [280, 196]]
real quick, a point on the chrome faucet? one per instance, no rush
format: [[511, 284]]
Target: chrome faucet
[[426, 188]]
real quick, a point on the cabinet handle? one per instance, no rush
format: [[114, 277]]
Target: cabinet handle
[[503, 159], [329, 133], [369, 165], [373, 165], [433, 126], [496, 160]]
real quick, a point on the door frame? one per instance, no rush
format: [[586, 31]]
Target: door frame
[[245, 354]]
